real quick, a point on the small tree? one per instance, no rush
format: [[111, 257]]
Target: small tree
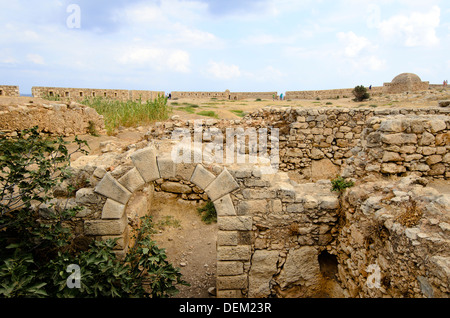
[[360, 93]]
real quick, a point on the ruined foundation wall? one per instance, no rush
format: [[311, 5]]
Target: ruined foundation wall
[[316, 143], [9, 91]]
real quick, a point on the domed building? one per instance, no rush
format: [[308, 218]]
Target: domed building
[[405, 82]]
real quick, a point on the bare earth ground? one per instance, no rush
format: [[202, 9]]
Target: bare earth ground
[[190, 244]]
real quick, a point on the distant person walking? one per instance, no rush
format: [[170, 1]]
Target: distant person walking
[[281, 96]]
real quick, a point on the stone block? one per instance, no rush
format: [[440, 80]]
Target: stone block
[[399, 139], [202, 177], [329, 203], [222, 185], [232, 282], [264, 267], [184, 171], [105, 227], [111, 188], [145, 162], [132, 180], [113, 210], [175, 187], [166, 166], [234, 253], [87, 196], [233, 293], [227, 238], [235, 223], [252, 206], [229, 268], [253, 194], [437, 125], [224, 206]]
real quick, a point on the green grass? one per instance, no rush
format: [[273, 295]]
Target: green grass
[[208, 113], [238, 112], [129, 113]]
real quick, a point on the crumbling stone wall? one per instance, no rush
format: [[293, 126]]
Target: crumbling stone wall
[[316, 143], [402, 145], [330, 94], [393, 241], [227, 95], [54, 118], [78, 94], [9, 90]]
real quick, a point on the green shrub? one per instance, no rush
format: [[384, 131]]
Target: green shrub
[[360, 93], [36, 250]]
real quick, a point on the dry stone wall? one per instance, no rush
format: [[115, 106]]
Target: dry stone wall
[[54, 118], [403, 145], [317, 143], [9, 90], [330, 94]]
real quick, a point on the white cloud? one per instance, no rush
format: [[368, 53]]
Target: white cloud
[[178, 61], [156, 58], [221, 70], [36, 59], [417, 29], [354, 44], [359, 52]]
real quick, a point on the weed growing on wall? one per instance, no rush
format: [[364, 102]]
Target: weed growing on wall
[[208, 213], [340, 184]]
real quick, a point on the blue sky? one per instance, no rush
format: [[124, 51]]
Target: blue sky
[[214, 45]]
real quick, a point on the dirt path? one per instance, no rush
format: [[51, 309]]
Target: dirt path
[[190, 243]]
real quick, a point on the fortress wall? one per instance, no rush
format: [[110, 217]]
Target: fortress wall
[[329, 94], [9, 90], [220, 95], [144, 95], [82, 93], [251, 95]]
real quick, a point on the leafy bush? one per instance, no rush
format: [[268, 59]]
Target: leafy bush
[[360, 93], [36, 250], [340, 184]]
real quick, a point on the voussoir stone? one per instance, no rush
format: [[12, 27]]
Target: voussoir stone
[[111, 188], [167, 168], [222, 185], [145, 162], [202, 177], [224, 206], [132, 180]]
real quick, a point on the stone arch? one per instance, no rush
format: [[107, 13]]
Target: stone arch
[[232, 250]]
